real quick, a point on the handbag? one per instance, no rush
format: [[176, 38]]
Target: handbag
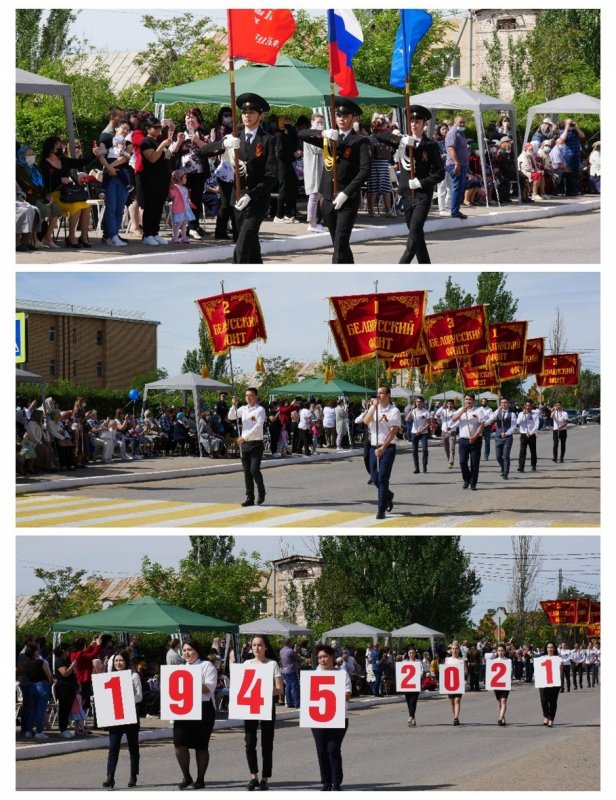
[[72, 193]]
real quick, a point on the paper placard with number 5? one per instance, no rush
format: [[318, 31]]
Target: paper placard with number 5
[[498, 674], [250, 690], [322, 694], [114, 698], [547, 671], [451, 678], [408, 676], [180, 691]]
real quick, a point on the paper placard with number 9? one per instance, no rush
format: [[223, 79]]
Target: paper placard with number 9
[[250, 690], [322, 694], [547, 671], [114, 698], [408, 676], [498, 674], [180, 691], [451, 678]]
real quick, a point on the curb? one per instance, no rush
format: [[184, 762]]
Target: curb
[[306, 242]]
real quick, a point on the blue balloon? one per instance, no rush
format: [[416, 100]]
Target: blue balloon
[[133, 395]]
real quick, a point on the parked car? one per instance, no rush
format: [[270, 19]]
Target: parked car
[[575, 418], [594, 415]]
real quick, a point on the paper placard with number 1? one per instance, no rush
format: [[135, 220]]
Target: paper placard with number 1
[[323, 701], [180, 691], [114, 698], [250, 690], [547, 671]]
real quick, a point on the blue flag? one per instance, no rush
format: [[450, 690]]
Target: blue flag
[[414, 25]]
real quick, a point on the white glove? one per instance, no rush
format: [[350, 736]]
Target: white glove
[[231, 142], [331, 134], [242, 202], [340, 200], [408, 141], [414, 183]]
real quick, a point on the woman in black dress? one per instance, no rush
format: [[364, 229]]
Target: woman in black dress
[[412, 697], [195, 734], [501, 695]]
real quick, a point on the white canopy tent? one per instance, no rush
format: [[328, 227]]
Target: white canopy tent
[[355, 630], [450, 394], [417, 631], [272, 626], [488, 395], [30, 83], [460, 98], [576, 103]]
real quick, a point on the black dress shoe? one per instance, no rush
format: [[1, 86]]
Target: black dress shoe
[[562, 460], [185, 783], [264, 786], [534, 469], [254, 784], [415, 472], [465, 485], [248, 503], [459, 215], [109, 783], [370, 481], [380, 515], [425, 469], [390, 502], [199, 785], [132, 782], [473, 488], [70, 244], [260, 500], [83, 243], [520, 469]]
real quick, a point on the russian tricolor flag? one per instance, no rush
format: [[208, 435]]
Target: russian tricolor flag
[[345, 38]]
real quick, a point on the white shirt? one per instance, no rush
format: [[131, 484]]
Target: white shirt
[[209, 680], [528, 423], [446, 417], [499, 416], [306, 418], [578, 656], [421, 420], [560, 419], [388, 417], [468, 421], [329, 417], [485, 412], [591, 655], [348, 688], [277, 672], [565, 655], [252, 418]]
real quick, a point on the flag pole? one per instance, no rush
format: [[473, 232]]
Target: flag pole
[[407, 102], [332, 109], [236, 163], [222, 289]]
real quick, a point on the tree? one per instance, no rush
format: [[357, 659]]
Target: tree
[[491, 290], [213, 549], [278, 372], [387, 581], [558, 338], [191, 362], [527, 563], [38, 42], [489, 82], [204, 356], [309, 42], [571, 593], [185, 49], [454, 297], [66, 593]]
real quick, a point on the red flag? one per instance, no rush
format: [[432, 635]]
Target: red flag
[[257, 34], [560, 370], [533, 356], [459, 333], [479, 378], [234, 319]]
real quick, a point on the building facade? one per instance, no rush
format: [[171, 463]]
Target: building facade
[[288, 579], [98, 347]]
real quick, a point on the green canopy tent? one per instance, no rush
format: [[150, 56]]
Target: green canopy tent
[[144, 615], [290, 82], [316, 386]]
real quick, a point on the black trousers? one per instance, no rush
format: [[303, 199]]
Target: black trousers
[[115, 740], [155, 191], [566, 678], [340, 224], [66, 695], [549, 701], [195, 183], [252, 453], [469, 452], [274, 428], [225, 212], [305, 440], [411, 702], [247, 248], [559, 436], [328, 742], [287, 191], [527, 442], [416, 210], [420, 438], [251, 727], [577, 670]]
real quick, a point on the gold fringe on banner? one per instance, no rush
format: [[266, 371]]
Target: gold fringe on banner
[[205, 373]]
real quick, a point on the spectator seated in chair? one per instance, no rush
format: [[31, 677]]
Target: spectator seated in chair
[[31, 182]]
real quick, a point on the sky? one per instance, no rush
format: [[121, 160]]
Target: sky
[[296, 308], [577, 556]]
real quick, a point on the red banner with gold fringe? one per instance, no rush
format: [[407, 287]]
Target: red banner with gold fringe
[[459, 333], [507, 345], [533, 356], [234, 319], [478, 379], [560, 370]]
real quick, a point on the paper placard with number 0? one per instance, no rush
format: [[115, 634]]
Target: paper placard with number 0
[[114, 698], [250, 690], [451, 678], [180, 691], [408, 676], [322, 694], [498, 674]]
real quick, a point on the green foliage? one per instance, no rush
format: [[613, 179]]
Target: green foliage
[[490, 79], [185, 49], [309, 42], [228, 591], [454, 297], [391, 581], [204, 355], [571, 593], [38, 42], [212, 549], [149, 376], [278, 372], [105, 401], [491, 290]]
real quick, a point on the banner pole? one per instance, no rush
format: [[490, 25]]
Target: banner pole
[[222, 289], [236, 163], [334, 145]]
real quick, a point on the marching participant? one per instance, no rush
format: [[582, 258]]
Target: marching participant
[[416, 191], [420, 431], [254, 148], [560, 421], [506, 426], [469, 441], [383, 421], [352, 169], [252, 416], [448, 430], [528, 423], [501, 695]]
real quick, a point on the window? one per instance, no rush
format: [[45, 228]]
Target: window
[[99, 337], [263, 606], [52, 333], [300, 573], [454, 68], [52, 367], [75, 368], [100, 370], [74, 336], [506, 24]]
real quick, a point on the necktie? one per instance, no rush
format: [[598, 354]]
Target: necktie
[[248, 139]]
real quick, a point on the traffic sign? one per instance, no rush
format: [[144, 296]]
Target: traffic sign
[[20, 338], [500, 616]]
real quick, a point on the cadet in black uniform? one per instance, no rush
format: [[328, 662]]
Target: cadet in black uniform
[[353, 167], [416, 192], [258, 166]]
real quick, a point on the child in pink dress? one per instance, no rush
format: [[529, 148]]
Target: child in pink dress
[[181, 211]]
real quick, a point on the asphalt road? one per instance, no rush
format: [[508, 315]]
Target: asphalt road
[[554, 241], [314, 492], [381, 753]]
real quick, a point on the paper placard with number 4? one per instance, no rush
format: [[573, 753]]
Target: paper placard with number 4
[[251, 686]]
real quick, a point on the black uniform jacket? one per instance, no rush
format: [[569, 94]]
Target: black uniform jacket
[[260, 160], [428, 164], [353, 163]]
